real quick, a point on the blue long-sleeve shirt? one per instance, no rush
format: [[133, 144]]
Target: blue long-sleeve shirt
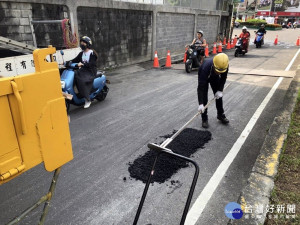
[[205, 73]]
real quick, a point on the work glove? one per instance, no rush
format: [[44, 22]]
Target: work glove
[[219, 94], [201, 108]]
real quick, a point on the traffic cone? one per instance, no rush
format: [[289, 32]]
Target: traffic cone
[[224, 41], [235, 40], [232, 44], [214, 49], [276, 40], [155, 62], [168, 61], [298, 41], [220, 47], [228, 45], [206, 51], [184, 58]]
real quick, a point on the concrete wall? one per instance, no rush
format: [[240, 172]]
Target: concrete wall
[[173, 32], [15, 22], [209, 25], [123, 33], [48, 33], [119, 36], [196, 4]]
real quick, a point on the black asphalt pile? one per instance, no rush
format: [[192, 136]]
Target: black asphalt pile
[[186, 144]]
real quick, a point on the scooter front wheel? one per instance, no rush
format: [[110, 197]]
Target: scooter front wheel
[[236, 53], [188, 67], [258, 44], [103, 93]]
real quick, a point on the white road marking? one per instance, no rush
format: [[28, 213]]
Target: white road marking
[[292, 61], [202, 200], [200, 203]]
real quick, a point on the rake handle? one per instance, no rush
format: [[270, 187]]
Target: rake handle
[[169, 140]]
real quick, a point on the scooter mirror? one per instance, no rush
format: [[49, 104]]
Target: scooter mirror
[[62, 52]]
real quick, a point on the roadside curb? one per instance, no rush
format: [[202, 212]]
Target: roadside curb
[[261, 181]]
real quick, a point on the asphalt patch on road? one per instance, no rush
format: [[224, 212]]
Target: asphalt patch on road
[[186, 143]]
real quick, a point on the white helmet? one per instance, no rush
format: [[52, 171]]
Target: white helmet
[[200, 32], [244, 28]]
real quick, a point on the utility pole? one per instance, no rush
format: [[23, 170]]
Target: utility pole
[[231, 22]]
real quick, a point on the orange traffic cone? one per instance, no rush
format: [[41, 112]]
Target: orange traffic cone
[[235, 40], [276, 40], [168, 61], [206, 51], [220, 47], [232, 44], [184, 58], [214, 49], [298, 41], [224, 41], [155, 62], [228, 45]]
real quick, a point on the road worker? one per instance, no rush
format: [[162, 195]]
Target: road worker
[[214, 72]]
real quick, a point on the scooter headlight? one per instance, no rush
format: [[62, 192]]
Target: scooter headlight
[[63, 84]]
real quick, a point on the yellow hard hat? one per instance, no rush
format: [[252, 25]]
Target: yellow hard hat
[[221, 62]]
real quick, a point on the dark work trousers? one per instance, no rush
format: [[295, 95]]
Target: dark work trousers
[[214, 83]]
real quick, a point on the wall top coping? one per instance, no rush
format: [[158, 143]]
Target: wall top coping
[[72, 5]]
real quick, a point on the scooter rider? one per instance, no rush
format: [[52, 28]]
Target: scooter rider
[[262, 30], [214, 72], [200, 43], [245, 35], [84, 77], [295, 24]]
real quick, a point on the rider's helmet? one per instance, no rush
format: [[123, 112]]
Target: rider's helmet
[[200, 32], [244, 28], [221, 62], [262, 25], [86, 40]]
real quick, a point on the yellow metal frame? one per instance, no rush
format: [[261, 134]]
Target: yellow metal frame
[[34, 125], [46, 198]]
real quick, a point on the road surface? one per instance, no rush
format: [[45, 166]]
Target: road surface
[[142, 105]]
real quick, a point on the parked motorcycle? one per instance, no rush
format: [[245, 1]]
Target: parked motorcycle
[[259, 41], [193, 58], [99, 90], [240, 48]]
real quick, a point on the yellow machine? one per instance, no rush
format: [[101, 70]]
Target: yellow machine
[[34, 125]]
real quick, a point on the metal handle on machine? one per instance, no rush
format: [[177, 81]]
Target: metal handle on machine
[[20, 106], [169, 152], [168, 140]]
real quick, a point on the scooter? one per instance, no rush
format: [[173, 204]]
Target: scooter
[[240, 49], [99, 90], [192, 58], [259, 41]]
